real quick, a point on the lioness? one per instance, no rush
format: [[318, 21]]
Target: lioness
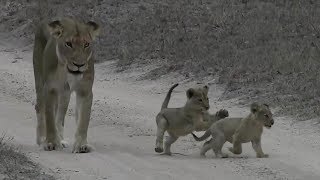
[[238, 131], [182, 121], [63, 63]]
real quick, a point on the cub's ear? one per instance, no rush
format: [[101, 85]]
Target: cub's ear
[[206, 89], [55, 28], [254, 107], [190, 93], [94, 29]]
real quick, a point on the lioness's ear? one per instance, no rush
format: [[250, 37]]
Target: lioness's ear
[[190, 93], [206, 89], [55, 28], [254, 107], [94, 29]]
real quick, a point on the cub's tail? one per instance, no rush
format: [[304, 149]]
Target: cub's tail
[[167, 99], [203, 137]]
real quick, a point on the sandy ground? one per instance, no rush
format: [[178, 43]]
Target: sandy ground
[[123, 127]]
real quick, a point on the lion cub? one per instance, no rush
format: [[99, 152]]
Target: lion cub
[[182, 121], [238, 131]]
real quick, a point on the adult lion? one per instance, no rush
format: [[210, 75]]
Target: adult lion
[[63, 63]]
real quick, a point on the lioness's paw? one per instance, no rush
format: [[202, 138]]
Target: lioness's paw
[[262, 155], [40, 140], [49, 146], [84, 148], [158, 149], [64, 143]]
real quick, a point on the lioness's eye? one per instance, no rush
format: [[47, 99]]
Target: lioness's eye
[[200, 100], [68, 44], [266, 115], [86, 45]]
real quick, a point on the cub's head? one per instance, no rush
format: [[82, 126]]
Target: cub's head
[[263, 114], [73, 43], [198, 98]]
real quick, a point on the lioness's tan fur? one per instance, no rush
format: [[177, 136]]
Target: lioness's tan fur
[[63, 63], [182, 121], [238, 131]]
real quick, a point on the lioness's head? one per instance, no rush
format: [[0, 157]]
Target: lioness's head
[[73, 42], [263, 114], [198, 98]]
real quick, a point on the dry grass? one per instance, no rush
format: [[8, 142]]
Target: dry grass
[[265, 50], [14, 165]]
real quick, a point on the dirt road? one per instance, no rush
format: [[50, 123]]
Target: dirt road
[[123, 132]]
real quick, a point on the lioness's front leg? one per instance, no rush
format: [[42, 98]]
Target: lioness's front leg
[[52, 140], [256, 145], [63, 102], [84, 103], [41, 124]]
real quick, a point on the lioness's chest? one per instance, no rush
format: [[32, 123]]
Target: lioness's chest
[[73, 81]]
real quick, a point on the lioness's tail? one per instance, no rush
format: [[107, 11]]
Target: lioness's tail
[[203, 137], [167, 99]]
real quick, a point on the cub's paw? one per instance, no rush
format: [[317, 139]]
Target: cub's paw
[[168, 153], [158, 149], [82, 148], [234, 151], [222, 113], [223, 155], [202, 155], [262, 155]]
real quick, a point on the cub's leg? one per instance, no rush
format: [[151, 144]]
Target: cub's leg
[[53, 141], [217, 143], [206, 147], [167, 145], [83, 107], [256, 145], [162, 126], [41, 124], [237, 145], [62, 108]]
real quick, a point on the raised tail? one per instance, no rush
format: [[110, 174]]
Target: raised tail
[[203, 137], [167, 99]]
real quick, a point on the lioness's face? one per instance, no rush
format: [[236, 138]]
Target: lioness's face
[[198, 98], [74, 43], [263, 114]]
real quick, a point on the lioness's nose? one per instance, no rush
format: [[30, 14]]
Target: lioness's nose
[[78, 65]]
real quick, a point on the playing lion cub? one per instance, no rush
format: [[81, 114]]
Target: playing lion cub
[[63, 62], [182, 121], [238, 131]]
